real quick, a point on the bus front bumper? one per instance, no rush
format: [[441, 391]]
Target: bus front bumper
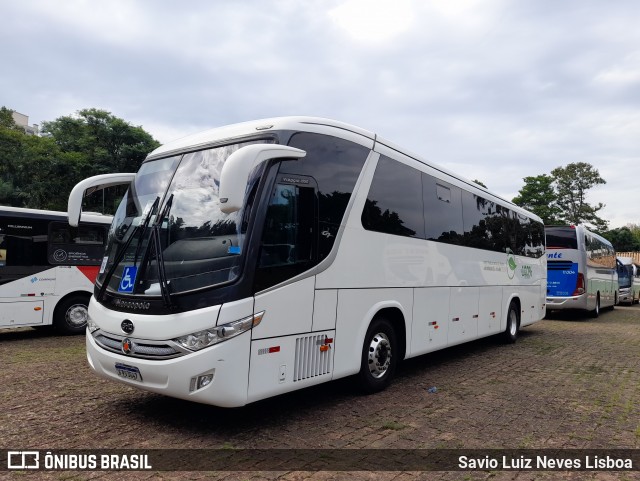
[[227, 362]]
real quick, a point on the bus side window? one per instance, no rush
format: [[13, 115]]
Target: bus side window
[[289, 240], [23, 242]]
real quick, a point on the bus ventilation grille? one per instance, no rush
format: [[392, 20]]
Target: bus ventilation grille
[[311, 361]]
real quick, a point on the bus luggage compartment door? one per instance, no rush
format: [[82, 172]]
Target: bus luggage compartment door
[[21, 313]]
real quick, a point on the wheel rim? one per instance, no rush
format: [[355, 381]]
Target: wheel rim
[[76, 315], [379, 355], [513, 323]]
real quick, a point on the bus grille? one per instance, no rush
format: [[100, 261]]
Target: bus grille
[[310, 360], [140, 348]]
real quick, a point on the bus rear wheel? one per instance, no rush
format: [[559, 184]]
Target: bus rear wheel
[[379, 356], [510, 334], [71, 314], [596, 312]]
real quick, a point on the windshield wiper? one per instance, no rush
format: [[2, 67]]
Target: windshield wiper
[[116, 261], [162, 273], [154, 240]]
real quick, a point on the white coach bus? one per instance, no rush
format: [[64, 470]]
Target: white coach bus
[[47, 268], [264, 257], [581, 270]]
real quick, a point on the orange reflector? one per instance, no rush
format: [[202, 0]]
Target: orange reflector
[[274, 349], [37, 308], [324, 348]]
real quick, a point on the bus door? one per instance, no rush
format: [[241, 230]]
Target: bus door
[[288, 248]]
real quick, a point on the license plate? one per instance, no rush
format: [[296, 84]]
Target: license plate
[[128, 372]]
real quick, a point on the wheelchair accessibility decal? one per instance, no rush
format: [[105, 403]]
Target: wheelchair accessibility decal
[[128, 279]]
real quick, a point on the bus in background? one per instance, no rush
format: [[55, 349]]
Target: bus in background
[[628, 281], [47, 268], [264, 257], [581, 270]]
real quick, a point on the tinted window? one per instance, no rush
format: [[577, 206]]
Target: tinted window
[[442, 210], [394, 203], [335, 165], [475, 211], [23, 242], [307, 206], [561, 238], [83, 245]]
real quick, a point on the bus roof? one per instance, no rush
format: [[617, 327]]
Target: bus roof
[[301, 123], [6, 211]]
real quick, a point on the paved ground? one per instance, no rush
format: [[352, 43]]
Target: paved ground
[[566, 383]]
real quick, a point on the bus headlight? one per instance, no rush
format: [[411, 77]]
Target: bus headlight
[[91, 325], [209, 337]]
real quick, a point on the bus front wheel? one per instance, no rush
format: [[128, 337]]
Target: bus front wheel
[[71, 314], [379, 356]]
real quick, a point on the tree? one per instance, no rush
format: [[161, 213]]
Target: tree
[[538, 196], [109, 143], [479, 183], [6, 120], [39, 172], [622, 239], [571, 185]]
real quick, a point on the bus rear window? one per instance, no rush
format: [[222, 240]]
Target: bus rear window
[[561, 238]]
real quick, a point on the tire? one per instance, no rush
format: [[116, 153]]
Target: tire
[[596, 312], [510, 334], [379, 356], [70, 316]]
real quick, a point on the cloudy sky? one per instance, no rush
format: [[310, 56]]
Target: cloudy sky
[[493, 89]]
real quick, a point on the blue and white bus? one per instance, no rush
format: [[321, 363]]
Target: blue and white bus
[[581, 270]]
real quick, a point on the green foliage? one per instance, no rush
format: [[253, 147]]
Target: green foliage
[[560, 198], [479, 183], [623, 239], [539, 197], [6, 120], [571, 185], [39, 172]]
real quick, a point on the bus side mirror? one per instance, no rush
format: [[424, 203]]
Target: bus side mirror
[[236, 169], [88, 186]]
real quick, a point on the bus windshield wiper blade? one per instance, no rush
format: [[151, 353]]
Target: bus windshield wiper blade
[[143, 229], [162, 274], [154, 241], [121, 254]]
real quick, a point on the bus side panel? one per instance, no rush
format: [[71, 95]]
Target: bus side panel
[[29, 301], [21, 313], [72, 279], [430, 320], [356, 309], [283, 364], [287, 310]]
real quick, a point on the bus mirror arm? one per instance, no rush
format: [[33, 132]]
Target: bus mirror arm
[[88, 186], [235, 171]]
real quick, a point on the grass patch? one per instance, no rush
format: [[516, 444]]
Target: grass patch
[[394, 425]]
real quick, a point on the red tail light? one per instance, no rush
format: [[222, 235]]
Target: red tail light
[[579, 286]]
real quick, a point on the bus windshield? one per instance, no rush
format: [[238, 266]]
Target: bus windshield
[[169, 232], [561, 238], [625, 273]]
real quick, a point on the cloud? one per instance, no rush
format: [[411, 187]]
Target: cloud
[[493, 89]]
